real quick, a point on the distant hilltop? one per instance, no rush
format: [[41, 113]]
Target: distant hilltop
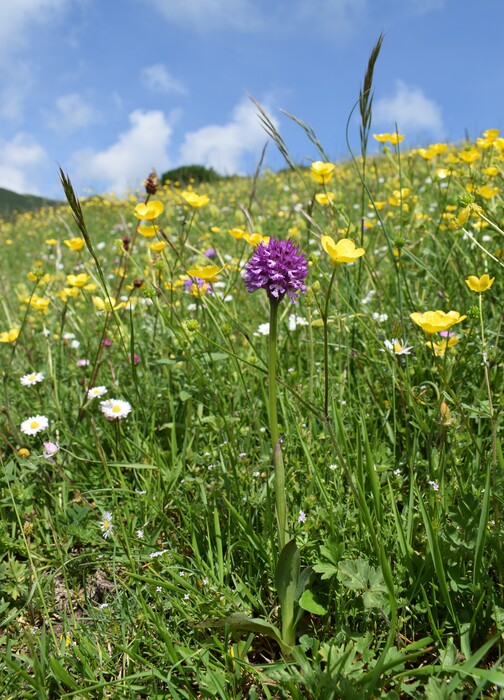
[[13, 203]]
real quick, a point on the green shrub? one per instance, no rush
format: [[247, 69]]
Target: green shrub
[[186, 174]]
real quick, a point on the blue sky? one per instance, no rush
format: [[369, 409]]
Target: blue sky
[[111, 88]]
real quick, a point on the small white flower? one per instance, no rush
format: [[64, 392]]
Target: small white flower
[[301, 517], [381, 318], [434, 485], [295, 321], [333, 467], [75, 344], [102, 606], [115, 409], [106, 525], [158, 589], [140, 533], [96, 391], [155, 555], [397, 472], [398, 347], [33, 425], [370, 294], [263, 329], [33, 378], [187, 596]]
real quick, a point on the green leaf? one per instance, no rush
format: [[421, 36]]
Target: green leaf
[[354, 573], [311, 602], [327, 570], [287, 576], [287, 573], [239, 622]]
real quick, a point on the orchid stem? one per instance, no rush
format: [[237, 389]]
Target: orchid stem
[[280, 496]]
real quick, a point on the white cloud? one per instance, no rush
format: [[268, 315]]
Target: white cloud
[[204, 15], [158, 79], [126, 163], [19, 17], [339, 18], [410, 109], [20, 160], [224, 147], [71, 113]]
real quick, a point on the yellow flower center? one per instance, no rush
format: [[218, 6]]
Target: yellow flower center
[[34, 424]]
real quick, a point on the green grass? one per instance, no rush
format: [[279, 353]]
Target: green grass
[[12, 203], [394, 469]]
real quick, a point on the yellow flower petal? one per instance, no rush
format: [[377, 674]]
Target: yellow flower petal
[[344, 251], [75, 243], [436, 321], [322, 172], [149, 211], [479, 284], [207, 273]]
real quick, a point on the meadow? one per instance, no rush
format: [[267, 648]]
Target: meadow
[[251, 433]]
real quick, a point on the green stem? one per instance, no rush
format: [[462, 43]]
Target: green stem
[[326, 347], [273, 415], [280, 496]]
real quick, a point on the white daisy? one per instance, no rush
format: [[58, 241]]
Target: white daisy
[[115, 409], [96, 391], [33, 378], [106, 524], [398, 347], [33, 425]]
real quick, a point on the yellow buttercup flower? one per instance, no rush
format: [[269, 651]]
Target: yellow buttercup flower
[[469, 156], [51, 241], [436, 321], [157, 246], [255, 238], [149, 211], [38, 303], [207, 273], [466, 212], [75, 243], [68, 292], [9, 336], [344, 251], [439, 349], [322, 172], [487, 192], [195, 200], [479, 284], [324, 198], [237, 232], [148, 231], [78, 280], [109, 304], [394, 139]]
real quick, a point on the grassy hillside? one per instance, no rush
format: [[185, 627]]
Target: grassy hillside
[[210, 491], [12, 202]]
